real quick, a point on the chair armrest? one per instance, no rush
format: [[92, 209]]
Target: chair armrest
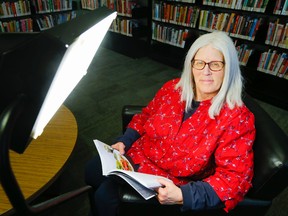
[[61, 199], [255, 202], [129, 195]]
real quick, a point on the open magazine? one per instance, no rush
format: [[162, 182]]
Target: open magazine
[[113, 163]]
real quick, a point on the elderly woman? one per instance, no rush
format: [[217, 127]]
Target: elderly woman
[[196, 131]]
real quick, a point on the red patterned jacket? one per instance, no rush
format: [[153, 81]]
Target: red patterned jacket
[[217, 151]]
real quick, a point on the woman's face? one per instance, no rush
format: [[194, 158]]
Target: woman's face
[[207, 81]]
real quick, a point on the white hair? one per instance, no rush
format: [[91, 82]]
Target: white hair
[[231, 88]]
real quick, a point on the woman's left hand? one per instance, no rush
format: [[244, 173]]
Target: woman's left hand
[[169, 194], [120, 147]]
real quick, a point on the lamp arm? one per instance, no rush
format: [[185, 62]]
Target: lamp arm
[[8, 119]]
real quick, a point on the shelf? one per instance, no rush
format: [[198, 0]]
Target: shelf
[[130, 46], [263, 86], [139, 13], [266, 87], [24, 16], [167, 54]]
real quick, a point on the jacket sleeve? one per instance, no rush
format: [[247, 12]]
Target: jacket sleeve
[[234, 159], [129, 137], [198, 196]]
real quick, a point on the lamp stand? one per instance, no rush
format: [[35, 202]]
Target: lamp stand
[[8, 119], [8, 181]]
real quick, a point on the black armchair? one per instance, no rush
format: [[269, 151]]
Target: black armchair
[[270, 178]]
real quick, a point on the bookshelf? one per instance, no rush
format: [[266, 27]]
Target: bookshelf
[[48, 13], [15, 16], [128, 33], [259, 30], [33, 15]]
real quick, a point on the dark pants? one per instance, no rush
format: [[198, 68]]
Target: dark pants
[[105, 197]]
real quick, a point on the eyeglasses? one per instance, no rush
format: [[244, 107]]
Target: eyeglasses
[[213, 65]]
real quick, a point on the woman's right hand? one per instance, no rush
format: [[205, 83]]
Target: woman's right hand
[[120, 147]]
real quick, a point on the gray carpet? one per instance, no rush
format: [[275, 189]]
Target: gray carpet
[[114, 80]]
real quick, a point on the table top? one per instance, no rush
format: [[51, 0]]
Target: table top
[[43, 160]]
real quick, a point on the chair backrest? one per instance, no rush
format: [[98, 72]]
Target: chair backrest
[[128, 111], [270, 155]]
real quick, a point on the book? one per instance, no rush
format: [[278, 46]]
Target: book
[[267, 60], [282, 60], [283, 69], [278, 7], [272, 60], [285, 8], [278, 34], [231, 20], [284, 38], [261, 61], [115, 164], [269, 35]]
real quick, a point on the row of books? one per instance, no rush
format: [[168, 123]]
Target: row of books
[[244, 53], [123, 7], [169, 35], [48, 21], [273, 62], [239, 26], [176, 14], [277, 34], [281, 7], [122, 26], [244, 27], [184, 1], [23, 25], [247, 5], [93, 4], [47, 6], [14, 9], [112, 4], [89, 4]]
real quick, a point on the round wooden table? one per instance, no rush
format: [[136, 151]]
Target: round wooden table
[[41, 163]]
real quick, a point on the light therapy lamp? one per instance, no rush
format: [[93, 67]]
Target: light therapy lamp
[[44, 67], [37, 73], [72, 68]]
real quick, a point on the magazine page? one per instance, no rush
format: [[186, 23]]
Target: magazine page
[[147, 180], [145, 192], [111, 159]]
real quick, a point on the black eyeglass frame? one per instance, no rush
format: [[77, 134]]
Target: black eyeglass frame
[[205, 63]]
